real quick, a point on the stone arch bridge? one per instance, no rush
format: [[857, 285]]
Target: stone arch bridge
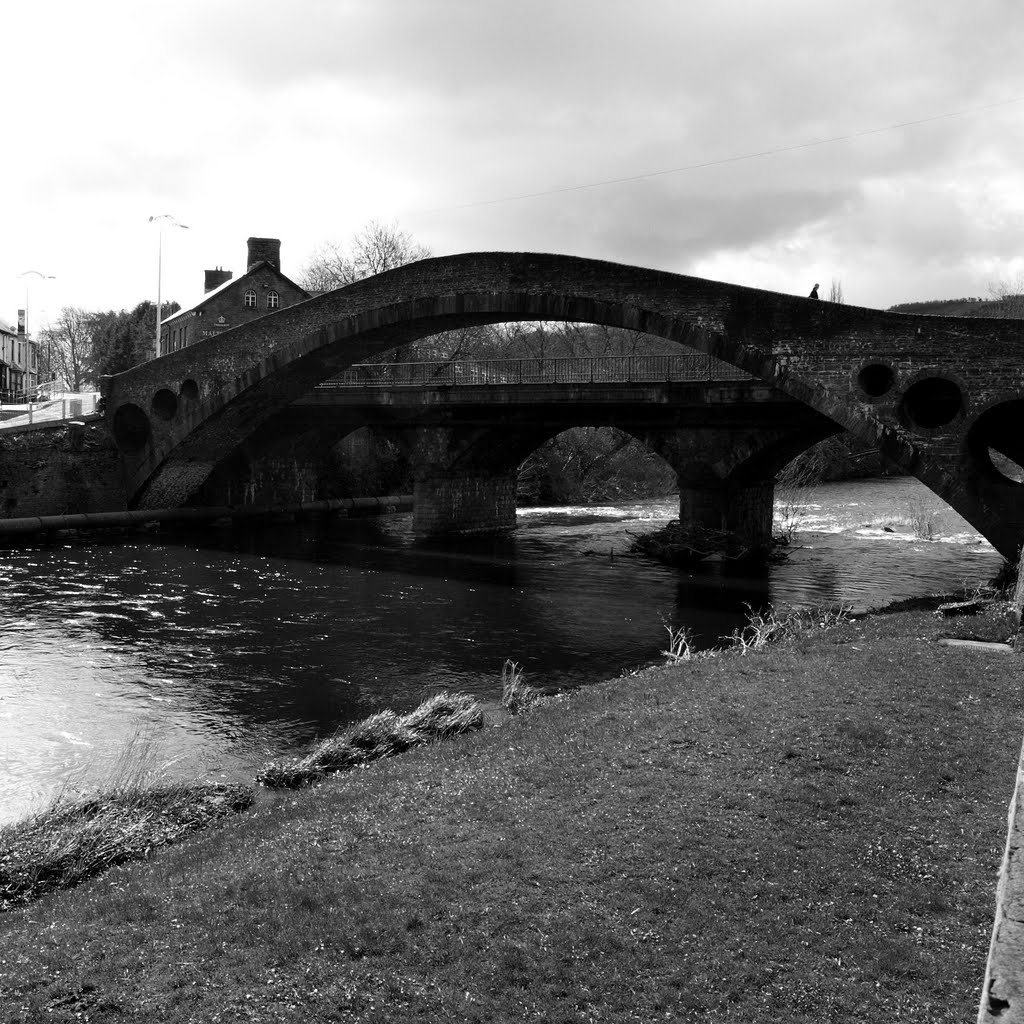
[[943, 397]]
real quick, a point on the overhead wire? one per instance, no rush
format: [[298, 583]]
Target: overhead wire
[[723, 160]]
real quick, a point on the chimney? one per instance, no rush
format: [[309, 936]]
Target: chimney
[[215, 278], [268, 249]]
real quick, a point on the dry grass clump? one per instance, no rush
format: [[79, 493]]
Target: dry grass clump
[[767, 628], [445, 715], [383, 734], [516, 695], [70, 842], [681, 643]]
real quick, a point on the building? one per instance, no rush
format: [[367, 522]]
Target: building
[[230, 301], [19, 362]]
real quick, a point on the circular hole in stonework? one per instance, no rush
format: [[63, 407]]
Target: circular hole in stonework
[[876, 379], [189, 391], [131, 428], [165, 403], [932, 402], [996, 439]]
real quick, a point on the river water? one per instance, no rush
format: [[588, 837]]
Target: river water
[[215, 657]]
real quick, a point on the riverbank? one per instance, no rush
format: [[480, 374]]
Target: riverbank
[[804, 833]]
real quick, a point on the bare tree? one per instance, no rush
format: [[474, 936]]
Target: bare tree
[[66, 347], [1009, 293], [835, 293], [378, 247]]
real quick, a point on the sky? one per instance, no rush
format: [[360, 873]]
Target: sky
[[770, 143]]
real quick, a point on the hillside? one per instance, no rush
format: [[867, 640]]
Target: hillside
[[1007, 306]]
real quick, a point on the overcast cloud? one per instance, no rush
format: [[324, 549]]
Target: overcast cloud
[[304, 121]]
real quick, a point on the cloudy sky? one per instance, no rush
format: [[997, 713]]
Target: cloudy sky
[[773, 143]]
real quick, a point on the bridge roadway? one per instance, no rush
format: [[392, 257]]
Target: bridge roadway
[[629, 392]]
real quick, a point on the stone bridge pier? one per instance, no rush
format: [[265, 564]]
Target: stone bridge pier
[[461, 483], [465, 477]]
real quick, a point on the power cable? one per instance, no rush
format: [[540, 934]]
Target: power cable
[[723, 160]]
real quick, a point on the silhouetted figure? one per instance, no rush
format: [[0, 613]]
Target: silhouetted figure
[[814, 292]]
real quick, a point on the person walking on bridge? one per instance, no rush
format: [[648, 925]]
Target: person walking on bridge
[[814, 292]]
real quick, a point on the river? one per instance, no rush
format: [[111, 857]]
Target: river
[[210, 659]]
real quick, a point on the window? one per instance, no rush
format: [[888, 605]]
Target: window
[[273, 301], [250, 299]]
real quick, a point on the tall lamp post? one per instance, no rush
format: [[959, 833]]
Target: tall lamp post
[[159, 219], [42, 277]]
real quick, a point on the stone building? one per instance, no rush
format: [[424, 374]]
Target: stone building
[[229, 301], [19, 362]]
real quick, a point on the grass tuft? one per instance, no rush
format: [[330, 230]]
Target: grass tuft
[[680, 644], [445, 715], [517, 695], [70, 842], [383, 734], [922, 520], [767, 628]]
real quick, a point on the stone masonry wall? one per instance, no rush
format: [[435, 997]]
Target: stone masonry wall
[[473, 504], [66, 468]]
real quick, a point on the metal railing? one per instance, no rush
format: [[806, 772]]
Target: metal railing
[[67, 406], [585, 370]]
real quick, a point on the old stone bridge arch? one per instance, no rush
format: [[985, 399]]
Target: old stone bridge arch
[[938, 395]]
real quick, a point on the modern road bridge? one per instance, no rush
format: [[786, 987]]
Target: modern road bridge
[[943, 397]]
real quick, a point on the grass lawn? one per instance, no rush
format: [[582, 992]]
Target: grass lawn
[[804, 834]]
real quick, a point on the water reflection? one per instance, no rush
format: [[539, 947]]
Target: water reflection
[[231, 648]]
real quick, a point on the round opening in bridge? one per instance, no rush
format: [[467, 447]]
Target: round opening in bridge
[[876, 379], [932, 402], [131, 428], [996, 439], [165, 404], [189, 391]]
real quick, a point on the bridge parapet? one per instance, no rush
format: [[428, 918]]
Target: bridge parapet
[[694, 367]]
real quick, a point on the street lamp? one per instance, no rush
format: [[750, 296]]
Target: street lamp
[[160, 218], [42, 277]]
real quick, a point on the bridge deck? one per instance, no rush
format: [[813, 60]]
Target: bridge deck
[[561, 370]]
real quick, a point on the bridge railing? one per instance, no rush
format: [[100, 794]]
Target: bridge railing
[[563, 370], [20, 414]]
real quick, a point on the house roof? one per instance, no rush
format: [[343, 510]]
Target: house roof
[[233, 283], [6, 328]]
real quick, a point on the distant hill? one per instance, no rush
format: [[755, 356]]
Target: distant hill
[[1007, 306]]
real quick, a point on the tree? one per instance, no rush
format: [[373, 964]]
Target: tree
[[1009, 294], [123, 339], [64, 348], [378, 247], [835, 293]]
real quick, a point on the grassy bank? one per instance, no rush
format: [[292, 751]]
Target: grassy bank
[[809, 832]]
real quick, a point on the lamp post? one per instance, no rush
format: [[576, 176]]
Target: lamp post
[[160, 218], [42, 277]]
